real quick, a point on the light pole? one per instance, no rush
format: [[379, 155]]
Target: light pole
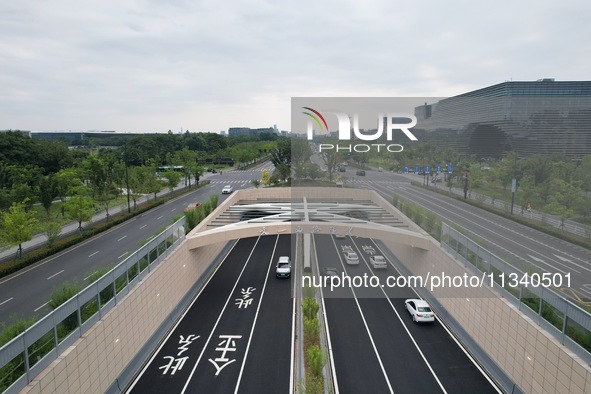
[[514, 184], [126, 177]]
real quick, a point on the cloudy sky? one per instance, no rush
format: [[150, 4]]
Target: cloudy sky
[[155, 65]]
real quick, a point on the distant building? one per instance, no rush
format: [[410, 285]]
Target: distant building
[[248, 131], [536, 117], [83, 138]]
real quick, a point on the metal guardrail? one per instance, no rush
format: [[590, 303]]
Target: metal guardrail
[[25, 356], [566, 321]]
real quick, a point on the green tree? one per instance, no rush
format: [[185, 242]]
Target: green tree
[[47, 192], [281, 158], [17, 226], [188, 159], [80, 206], [172, 179], [265, 177], [331, 159]]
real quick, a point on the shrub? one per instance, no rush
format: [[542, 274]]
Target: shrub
[[316, 359]]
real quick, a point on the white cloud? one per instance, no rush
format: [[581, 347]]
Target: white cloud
[[153, 65]]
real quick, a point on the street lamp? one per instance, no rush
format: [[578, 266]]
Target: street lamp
[[126, 177]]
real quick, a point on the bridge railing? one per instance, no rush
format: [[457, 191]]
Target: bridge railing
[[25, 356], [566, 321]]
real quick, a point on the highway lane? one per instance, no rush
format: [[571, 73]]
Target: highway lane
[[26, 293], [374, 341], [241, 325], [520, 245]]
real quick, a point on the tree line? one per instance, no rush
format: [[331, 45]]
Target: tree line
[[82, 180]]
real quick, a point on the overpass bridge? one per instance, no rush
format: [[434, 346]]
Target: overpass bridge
[[103, 353]]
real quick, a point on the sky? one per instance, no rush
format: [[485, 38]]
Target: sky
[[159, 65]]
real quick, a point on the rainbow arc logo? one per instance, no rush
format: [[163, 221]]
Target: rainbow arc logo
[[317, 116]]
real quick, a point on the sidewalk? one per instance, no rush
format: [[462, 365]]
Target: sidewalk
[[71, 228]]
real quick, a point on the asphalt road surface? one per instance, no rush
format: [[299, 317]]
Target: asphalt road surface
[[27, 292], [237, 334], [376, 347]]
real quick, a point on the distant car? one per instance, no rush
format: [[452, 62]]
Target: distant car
[[419, 310], [283, 268], [342, 169], [330, 271], [213, 171], [377, 262], [380, 169], [360, 172], [227, 189], [351, 258], [339, 184]]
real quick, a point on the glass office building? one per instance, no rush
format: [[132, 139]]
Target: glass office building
[[538, 117]]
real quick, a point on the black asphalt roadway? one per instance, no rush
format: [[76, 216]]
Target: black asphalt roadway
[[376, 347], [237, 335]]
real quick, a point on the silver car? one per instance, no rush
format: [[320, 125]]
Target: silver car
[[378, 262], [419, 310], [351, 258], [283, 268]]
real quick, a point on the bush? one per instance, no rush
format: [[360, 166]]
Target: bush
[[310, 308], [316, 359]]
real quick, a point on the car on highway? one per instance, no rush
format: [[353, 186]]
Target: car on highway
[[227, 189], [283, 267], [360, 172], [351, 258], [419, 310], [378, 262], [330, 271]]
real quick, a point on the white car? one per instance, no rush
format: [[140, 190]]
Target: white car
[[283, 268], [227, 189], [419, 310], [378, 261], [351, 258]]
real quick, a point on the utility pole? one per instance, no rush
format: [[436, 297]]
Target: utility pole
[[126, 177]]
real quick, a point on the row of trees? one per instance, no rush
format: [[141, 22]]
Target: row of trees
[[82, 181], [552, 184]]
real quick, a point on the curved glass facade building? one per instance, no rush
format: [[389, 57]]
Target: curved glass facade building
[[539, 117]]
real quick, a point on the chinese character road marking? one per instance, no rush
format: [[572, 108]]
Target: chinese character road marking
[[178, 366], [229, 345]]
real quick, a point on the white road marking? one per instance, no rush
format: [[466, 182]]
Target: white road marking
[[159, 217], [219, 317], [173, 209], [179, 320], [123, 255], [256, 315], [40, 307], [145, 225], [54, 275], [93, 253], [446, 329], [125, 236], [4, 302], [373, 344], [569, 261], [539, 260]]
